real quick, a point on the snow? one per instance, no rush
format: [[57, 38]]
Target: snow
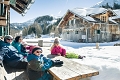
[[84, 12], [89, 18], [104, 2], [106, 59], [87, 11]]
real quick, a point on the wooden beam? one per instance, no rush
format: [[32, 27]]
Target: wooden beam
[[22, 2], [3, 22], [2, 18], [5, 2], [16, 9], [19, 6]]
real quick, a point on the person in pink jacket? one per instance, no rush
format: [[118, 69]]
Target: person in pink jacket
[[57, 49], [28, 48]]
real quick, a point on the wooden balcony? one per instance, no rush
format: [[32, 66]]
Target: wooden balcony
[[6, 2], [3, 21]]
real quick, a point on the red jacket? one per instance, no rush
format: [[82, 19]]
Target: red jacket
[[56, 49], [31, 47]]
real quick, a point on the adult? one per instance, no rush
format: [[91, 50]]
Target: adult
[[10, 54], [17, 44]]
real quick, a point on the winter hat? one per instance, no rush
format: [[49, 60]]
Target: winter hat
[[7, 37], [36, 48]]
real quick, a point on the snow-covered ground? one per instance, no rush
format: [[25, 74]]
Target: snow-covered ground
[[106, 59]]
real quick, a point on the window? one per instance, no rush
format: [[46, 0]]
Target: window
[[76, 32], [103, 18], [67, 32]]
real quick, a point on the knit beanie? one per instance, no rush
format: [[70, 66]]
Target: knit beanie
[[7, 37], [36, 48]]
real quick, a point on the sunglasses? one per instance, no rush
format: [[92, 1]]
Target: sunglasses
[[38, 51], [9, 39]]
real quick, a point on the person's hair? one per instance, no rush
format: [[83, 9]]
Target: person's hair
[[17, 38], [56, 41], [7, 37]]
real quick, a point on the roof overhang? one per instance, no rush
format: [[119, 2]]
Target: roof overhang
[[21, 6]]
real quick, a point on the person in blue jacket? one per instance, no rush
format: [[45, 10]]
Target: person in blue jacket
[[38, 65], [17, 44], [10, 54]]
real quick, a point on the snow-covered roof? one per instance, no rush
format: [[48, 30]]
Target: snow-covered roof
[[88, 11], [84, 12], [111, 19], [89, 18], [117, 11], [116, 17]]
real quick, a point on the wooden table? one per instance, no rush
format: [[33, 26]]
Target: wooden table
[[71, 70]]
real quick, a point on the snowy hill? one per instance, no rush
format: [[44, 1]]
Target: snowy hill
[[47, 20], [110, 3], [20, 26], [42, 20]]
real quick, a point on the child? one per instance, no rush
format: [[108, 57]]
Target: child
[[38, 65], [27, 48], [23, 46], [57, 49]]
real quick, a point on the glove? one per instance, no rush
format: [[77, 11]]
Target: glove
[[1, 63], [57, 62]]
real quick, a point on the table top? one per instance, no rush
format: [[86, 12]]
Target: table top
[[71, 70]]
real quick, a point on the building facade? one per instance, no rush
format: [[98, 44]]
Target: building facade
[[90, 25], [20, 6]]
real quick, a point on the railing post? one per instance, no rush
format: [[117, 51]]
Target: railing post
[[40, 43]]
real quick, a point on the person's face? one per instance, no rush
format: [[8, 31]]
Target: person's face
[[9, 40], [20, 40], [37, 52], [56, 44]]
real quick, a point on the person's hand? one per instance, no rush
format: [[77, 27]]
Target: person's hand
[[58, 54], [1, 63]]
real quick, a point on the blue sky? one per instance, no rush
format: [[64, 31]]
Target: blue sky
[[50, 7]]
